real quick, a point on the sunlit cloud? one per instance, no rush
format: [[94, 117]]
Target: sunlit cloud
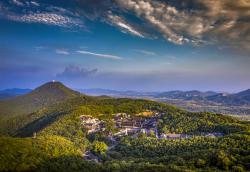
[[193, 22], [200, 24], [124, 26]]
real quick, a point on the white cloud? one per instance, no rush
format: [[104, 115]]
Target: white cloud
[[146, 52], [47, 18], [107, 56], [35, 3], [17, 2], [38, 48], [62, 51], [167, 63], [125, 26]]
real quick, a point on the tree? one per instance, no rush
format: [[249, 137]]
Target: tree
[[238, 169], [165, 129], [110, 126], [152, 134], [222, 160], [200, 163], [99, 147]]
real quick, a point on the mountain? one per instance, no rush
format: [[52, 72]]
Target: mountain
[[225, 99], [52, 92], [244, 95], [186, 95], [47, 94], [8, 93], [241, 98]]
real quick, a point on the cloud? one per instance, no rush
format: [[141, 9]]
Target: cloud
[[107, 56], [35, 3], [47, 18], [194, 21], [40, 12], [146, 52], [123, 25], [75, 72], [62, 51], [166, 19], [17, 2], [38, 48]]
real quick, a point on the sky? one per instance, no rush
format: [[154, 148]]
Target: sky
[[143, 45]]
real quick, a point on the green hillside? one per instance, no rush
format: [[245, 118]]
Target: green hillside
[[229, 153], [48, 153], [10, 126]]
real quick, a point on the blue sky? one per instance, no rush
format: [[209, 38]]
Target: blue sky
[[126, 44]]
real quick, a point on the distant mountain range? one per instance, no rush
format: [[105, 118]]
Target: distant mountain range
[[187, 95], [8, 93], [241, 98]]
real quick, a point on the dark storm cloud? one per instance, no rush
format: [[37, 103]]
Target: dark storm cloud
[[195, 22], [75, 72]]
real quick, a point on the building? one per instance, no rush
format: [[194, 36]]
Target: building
[[213, 135], [174, 136], [91, 124]]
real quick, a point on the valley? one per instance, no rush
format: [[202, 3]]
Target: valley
[[240, 111]]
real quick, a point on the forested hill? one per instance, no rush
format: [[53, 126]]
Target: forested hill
[[53, 138], [47, 94]]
